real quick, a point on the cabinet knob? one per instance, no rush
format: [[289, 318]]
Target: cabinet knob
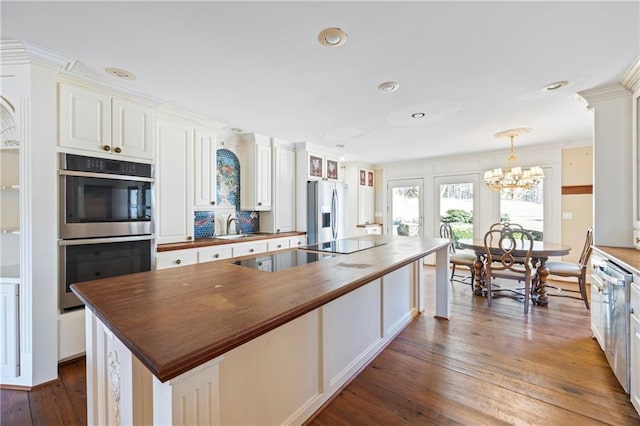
[[277, 230], [259, 203], [178, 262], [106, 148], [117, 150], [299, 242], [213, 203], [637, 240], [189, 238], [215, 256], [279, 245], [250, 250]]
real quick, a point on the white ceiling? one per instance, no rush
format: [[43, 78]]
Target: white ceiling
[[475, 68]]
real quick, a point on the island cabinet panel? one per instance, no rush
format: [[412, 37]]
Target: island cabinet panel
[[352, 327], [397, 288], [270, 379]]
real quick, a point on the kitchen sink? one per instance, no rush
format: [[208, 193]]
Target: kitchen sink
[[232, 236]]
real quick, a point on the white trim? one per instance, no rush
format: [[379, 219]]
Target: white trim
[[631, 79], [599, 94]]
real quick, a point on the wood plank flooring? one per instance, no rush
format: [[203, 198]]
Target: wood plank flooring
[[483, 367]]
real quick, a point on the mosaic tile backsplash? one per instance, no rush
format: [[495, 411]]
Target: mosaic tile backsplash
[[228, 196]]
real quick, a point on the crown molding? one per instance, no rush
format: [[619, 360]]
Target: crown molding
[[605, 93], [17, 52], [631, 79]]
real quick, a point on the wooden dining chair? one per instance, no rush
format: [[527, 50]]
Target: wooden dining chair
[[508, 256], [573, 270], [458, 258]]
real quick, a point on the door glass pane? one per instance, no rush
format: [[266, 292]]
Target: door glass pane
[[456, 208], [405, 208], [524, 207]]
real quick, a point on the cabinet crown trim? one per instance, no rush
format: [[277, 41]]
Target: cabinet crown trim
[[631, 79], [604, 93]]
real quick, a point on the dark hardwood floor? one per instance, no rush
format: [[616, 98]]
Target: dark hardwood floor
[[483, 367]]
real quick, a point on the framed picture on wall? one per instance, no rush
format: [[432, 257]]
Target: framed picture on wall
[[315, 167], [363, 177], [369, 178], [332, 169]]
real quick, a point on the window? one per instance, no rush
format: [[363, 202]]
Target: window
[[524, 207], [456, 208]]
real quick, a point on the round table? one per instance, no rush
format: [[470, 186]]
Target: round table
[[539, 255]]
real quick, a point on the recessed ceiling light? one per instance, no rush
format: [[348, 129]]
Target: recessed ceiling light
[[120, 73], [555, 85], [418, 115], [332, 37], [340, 145], [236, 129], [388, 86]]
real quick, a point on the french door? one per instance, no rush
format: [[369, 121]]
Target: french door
[[405, 203]]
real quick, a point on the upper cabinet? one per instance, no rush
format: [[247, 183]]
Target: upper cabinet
[[366, 197], [322, 167], [204, 184], [174, 182], [255, 173], [94, 121], [282, 217]]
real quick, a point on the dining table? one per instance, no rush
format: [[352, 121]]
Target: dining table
[[541, 251]]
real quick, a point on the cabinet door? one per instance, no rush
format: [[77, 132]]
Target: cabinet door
[[635, 361], [85, 119], [284, 189], [174, 183], [263, 175], [132, 131], [10, 354], [205, 170], [365, 204]]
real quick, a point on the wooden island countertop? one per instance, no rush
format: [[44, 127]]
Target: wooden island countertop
[[174, 320]]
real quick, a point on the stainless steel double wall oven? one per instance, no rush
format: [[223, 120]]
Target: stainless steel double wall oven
[[105, 227]]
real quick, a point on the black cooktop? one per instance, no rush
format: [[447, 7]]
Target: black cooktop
[[343, 246], [281, 261]]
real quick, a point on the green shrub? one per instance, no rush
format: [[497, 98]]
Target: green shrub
[[458, 216]]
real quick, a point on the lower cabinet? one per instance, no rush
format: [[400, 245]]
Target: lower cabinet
[[174, 258], [10, 353], [634, 352]]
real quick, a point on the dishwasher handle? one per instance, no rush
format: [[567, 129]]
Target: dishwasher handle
[[605, 276]]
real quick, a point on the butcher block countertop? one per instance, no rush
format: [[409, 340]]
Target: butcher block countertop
[[630, 257], [176, 319], [206, 242]]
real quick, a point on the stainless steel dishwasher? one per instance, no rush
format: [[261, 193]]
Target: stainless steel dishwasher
[[616, 286]]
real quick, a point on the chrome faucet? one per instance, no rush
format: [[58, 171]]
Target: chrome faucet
[[229, 220]]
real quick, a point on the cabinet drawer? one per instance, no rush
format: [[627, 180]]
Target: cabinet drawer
[[171, 259], [279, 244], [373, 230], [298, 241], [211, 254], [244, 249]]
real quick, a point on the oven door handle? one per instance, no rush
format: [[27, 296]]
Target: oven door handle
[[104, 176], [84, 241]]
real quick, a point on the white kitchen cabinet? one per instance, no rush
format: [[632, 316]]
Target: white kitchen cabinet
[[95, 121], [634, 352], [366, 210], [9, 348], [253, 247], [204, 184], [174, 182], [213, 253], [282, 216], [278, 244], [300, 240], [255, 173], [174, 258]]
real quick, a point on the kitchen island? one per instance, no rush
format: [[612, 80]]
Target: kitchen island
[[218, 343]]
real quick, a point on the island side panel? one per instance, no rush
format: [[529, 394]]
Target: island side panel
[[443, 289]]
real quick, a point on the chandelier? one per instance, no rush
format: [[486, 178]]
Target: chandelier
[[512, 177]]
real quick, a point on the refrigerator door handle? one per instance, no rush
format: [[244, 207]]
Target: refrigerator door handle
[[334, 214]]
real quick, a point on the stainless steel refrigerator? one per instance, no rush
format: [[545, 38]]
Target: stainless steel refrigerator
[[326, 211]]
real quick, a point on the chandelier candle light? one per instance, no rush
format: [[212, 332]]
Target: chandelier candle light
[[512, 177]]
